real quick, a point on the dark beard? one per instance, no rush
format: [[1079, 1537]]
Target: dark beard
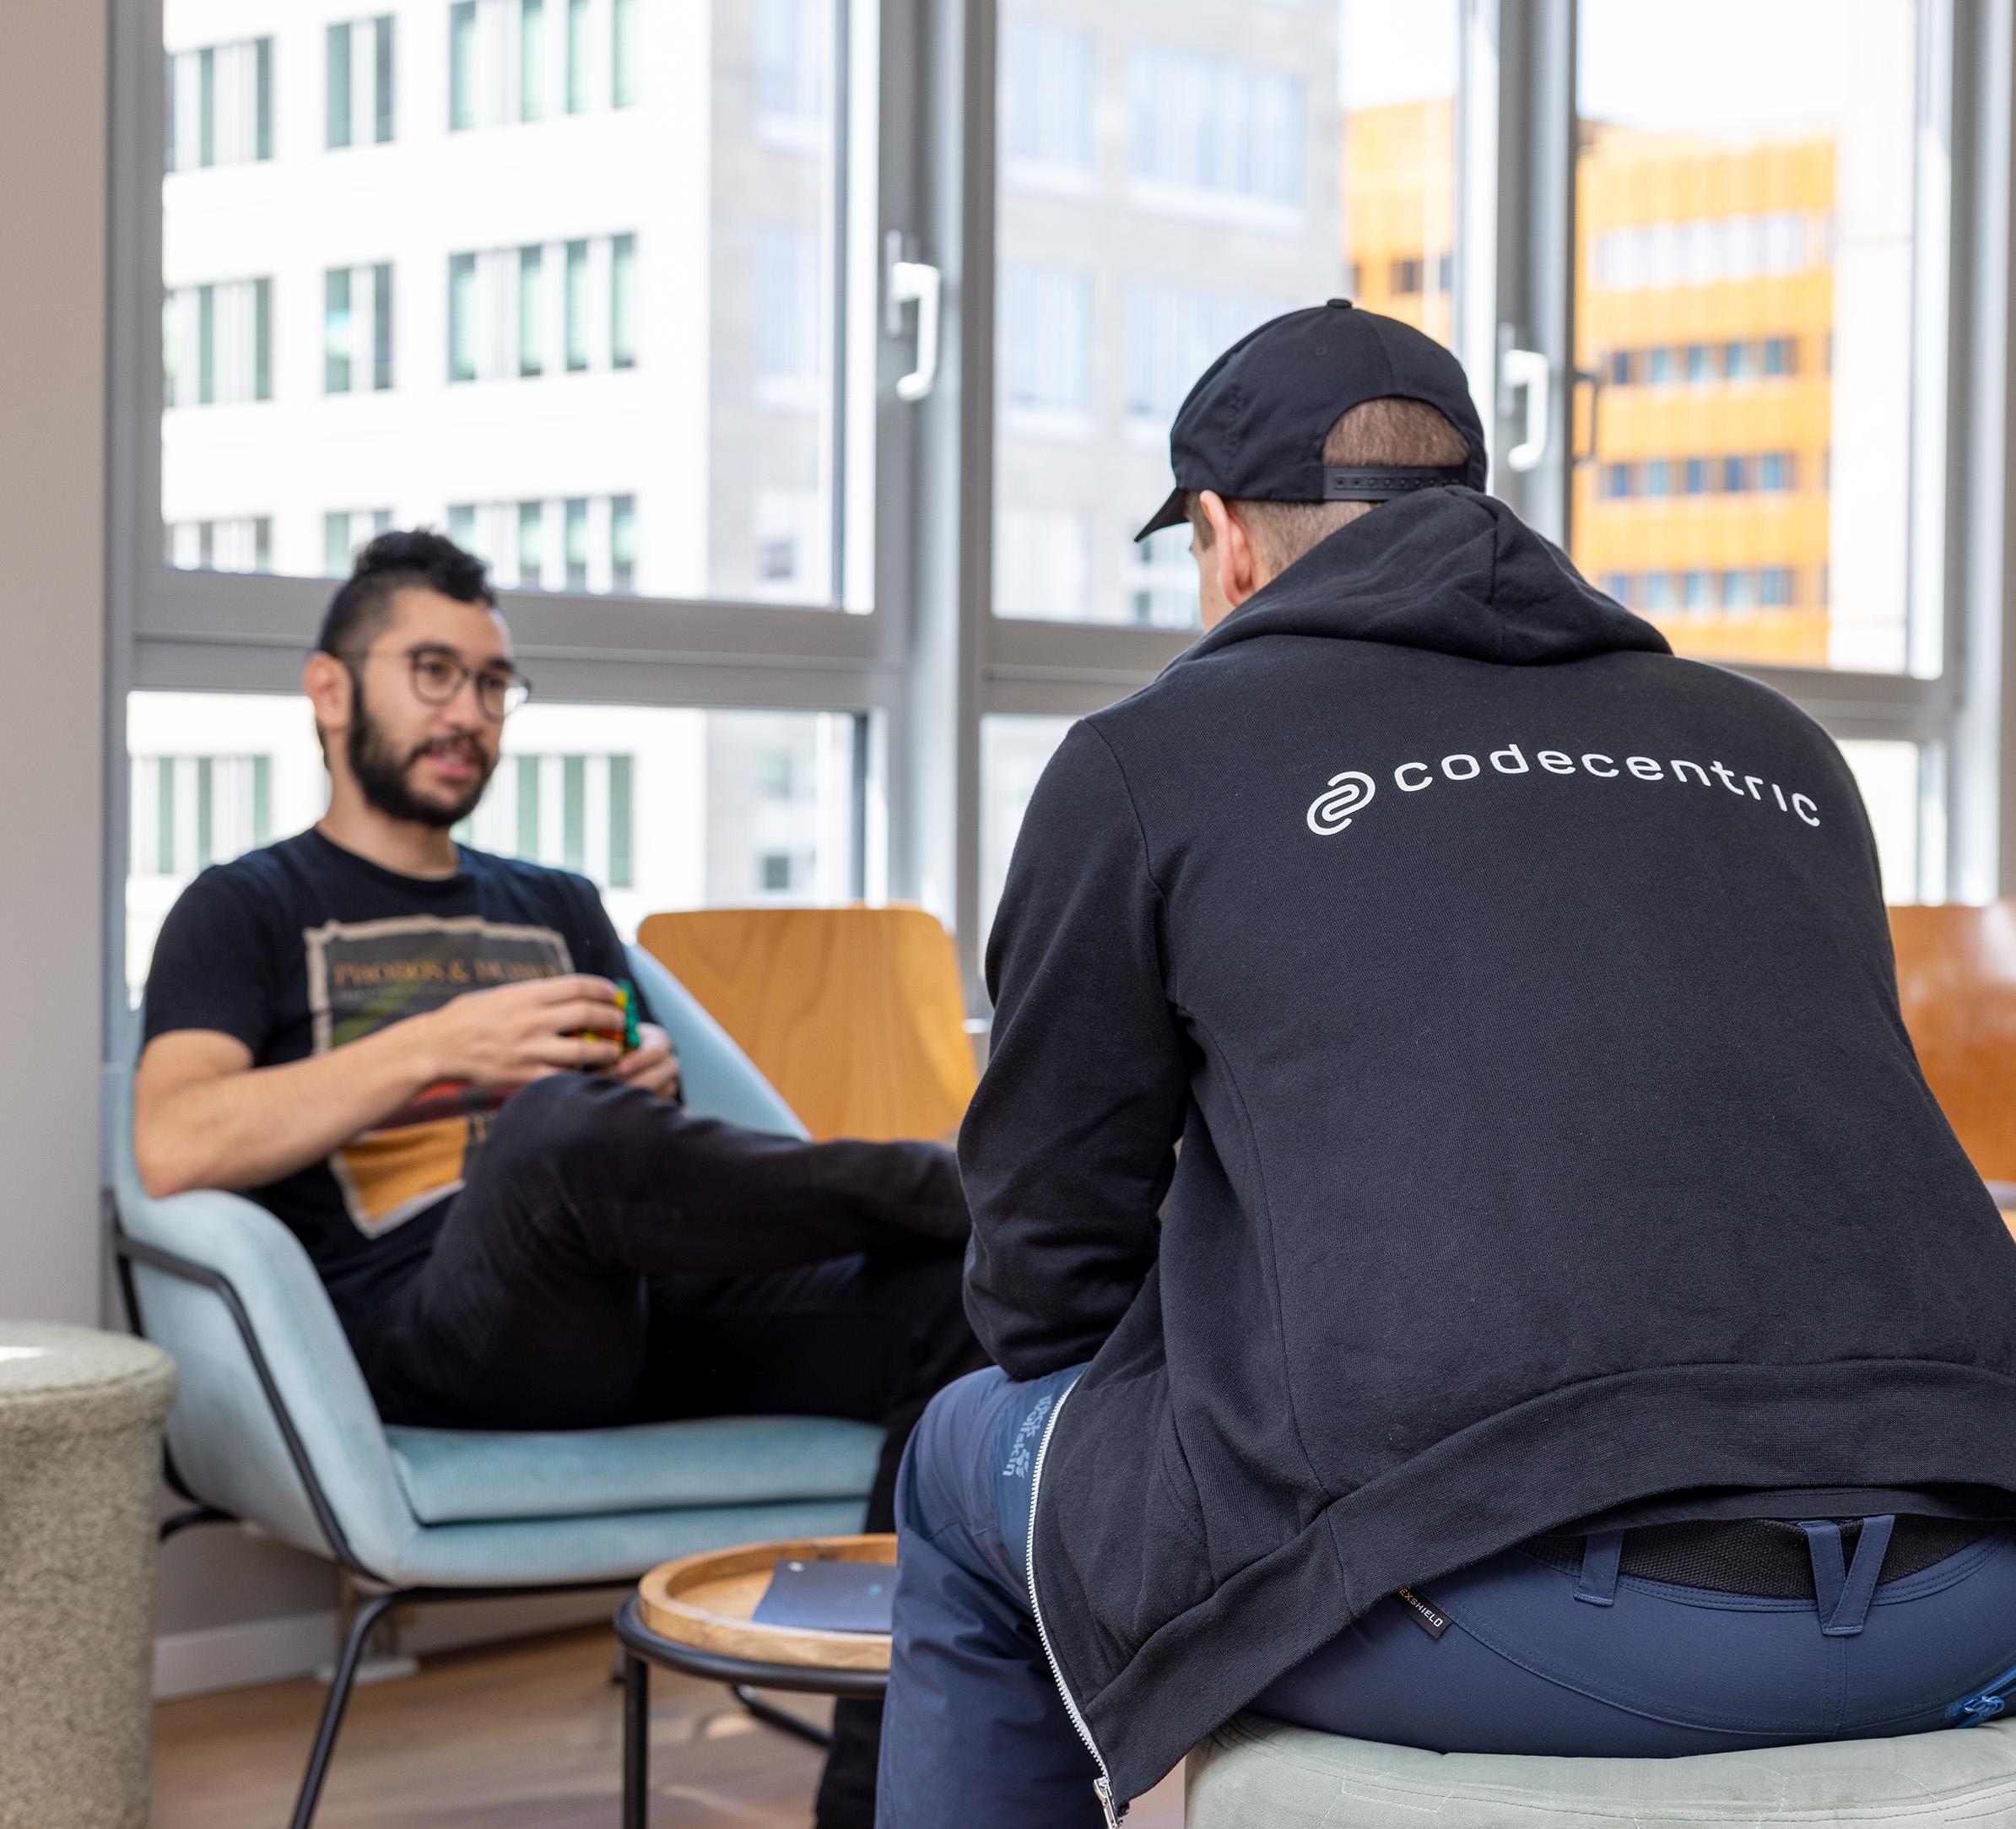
[[381, 774]]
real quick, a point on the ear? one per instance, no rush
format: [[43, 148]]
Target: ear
[[1238, 569], [331, 691]]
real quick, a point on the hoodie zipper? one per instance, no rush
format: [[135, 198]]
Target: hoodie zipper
[[1102, 1786]]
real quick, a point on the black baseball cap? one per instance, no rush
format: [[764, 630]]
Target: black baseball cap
[[1253, 427]]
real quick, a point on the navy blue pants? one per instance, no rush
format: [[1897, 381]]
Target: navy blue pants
[[974, 1731]]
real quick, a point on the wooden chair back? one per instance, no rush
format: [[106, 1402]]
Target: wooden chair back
[[855, 1014], [1956, 979]]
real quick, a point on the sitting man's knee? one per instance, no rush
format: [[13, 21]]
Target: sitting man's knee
[[548, 1122], [943, 1441], [951, 1411], [947, 1426]]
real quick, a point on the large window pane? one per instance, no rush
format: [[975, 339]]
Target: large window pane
[[1014, 751], [678, 808], [1744, 201], [1170, 178], [1892, 778], [663, 808], [633, 298], [212, 775]]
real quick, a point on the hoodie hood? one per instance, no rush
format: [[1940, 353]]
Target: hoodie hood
[[1450, 569]]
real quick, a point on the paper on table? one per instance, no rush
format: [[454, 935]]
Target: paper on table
[[828, 1597]]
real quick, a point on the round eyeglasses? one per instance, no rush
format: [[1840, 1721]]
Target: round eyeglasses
[[437, 676]]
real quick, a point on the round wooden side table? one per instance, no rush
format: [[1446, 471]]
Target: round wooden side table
[[693, 1615]]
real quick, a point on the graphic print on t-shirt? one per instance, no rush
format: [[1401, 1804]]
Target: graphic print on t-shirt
[[364, 976]]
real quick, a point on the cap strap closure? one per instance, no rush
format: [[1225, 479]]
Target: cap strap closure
[[1357, 483]]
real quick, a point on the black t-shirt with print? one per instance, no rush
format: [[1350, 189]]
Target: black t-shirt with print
[[302, 946]]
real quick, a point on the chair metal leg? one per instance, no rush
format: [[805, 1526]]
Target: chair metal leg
[[178, 1521], [779, 1718], [366, 1617], [636, 1740]]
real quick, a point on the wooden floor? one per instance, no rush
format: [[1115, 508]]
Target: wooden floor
[[515, 1734]]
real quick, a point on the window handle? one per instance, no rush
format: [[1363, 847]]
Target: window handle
[[913, 283], [1594, 377], [1527, 369]]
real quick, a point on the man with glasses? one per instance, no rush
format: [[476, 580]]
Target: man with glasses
[[409, 1051]]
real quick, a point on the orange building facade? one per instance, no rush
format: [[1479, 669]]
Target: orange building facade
[[1399, 193], [1705, 308], [1704, 332]]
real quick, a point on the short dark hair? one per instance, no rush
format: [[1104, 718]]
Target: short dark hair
[[414, 558], [1389, 430]]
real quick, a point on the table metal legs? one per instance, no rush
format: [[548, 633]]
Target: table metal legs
[[636, 1740], [781, 1719], [642, 1648]]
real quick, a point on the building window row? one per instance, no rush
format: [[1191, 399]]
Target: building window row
[[358, 101], [1410, 276], [1693, 364], [543, 308], [574, 812], [512, 61], [576, 542], [217, 344], [1707, 249], [188, 812], [1740, 589], [1762, 472], [1215, 128], [512, 312], [220, 105], [1202, 129], [508, 61]]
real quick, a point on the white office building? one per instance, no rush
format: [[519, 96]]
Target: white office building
[[559, 276], [549, 275]]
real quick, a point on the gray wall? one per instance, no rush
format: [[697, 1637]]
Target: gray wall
[[242, 1608], [52, 225], [53, 122]]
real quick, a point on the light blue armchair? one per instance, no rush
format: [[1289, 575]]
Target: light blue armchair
[[273, 1422]]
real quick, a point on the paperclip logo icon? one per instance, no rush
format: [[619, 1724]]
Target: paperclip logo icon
[[1347, 793]]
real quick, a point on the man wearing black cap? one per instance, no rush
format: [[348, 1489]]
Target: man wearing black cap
[[1569, 1326]]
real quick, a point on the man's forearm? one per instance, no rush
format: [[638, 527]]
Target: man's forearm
[[246, 1129]]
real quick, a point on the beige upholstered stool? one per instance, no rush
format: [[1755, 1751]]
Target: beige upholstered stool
[[80, 1474], [1253, 1773]]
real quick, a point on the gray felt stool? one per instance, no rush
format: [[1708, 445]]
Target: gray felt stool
[[80, 1476], [1254, 1773]]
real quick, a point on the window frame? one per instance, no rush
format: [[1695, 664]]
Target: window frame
[[200, 631], [1516, 117], [928, 660], [1961, 206]]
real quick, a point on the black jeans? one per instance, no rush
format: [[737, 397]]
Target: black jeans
[[612, 1258]]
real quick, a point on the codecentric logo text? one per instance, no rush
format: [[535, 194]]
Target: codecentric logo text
[[1347, 794]]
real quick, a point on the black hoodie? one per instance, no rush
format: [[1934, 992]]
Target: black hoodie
[[1522, 997]]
